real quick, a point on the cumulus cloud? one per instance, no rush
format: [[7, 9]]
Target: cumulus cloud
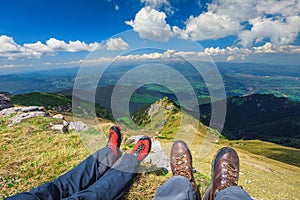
[[151, 24], [11, 50], [116, 44], [236, 10], [39, 47], [159, 5], [274, 20], [210, 26], [155, 3], [274, 7], [278, 31], [253, 22], [71, 46]]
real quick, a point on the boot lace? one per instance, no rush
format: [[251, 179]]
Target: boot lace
[[181, 168], [139, 149], [229, 175]]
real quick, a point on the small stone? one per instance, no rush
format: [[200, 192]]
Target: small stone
[[65, 123], [58, 116], [20, 117], [78, 126], [156, 146], [59, 127]]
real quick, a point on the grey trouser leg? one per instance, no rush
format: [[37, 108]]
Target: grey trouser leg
[[233, 193], [176, 188], [113, 184], [79, 178]]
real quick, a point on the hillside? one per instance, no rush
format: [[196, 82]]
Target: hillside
[[260, 116], [266, 168], [57, 102]]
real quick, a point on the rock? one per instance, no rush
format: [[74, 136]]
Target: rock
[[156, 146], [156, 157], [160, 159], [169, 107], [20, 117], [4, 102], [59, 116], [65, 123], [59, 127], [78, 126], [153, 109], [132, 139], [21, 109]]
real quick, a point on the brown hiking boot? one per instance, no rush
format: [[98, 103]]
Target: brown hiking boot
[[181, 163], [225, 172]]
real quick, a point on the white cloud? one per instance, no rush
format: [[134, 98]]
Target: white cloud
[[236, 10], [151, 24], [159, 5], [7, 44], [274, 20], [39, 47], [278, 31], [210, 26], [217, 54], [56, 45], [155, 3], [285, 8], [294, 49], [117, 7], [266, 48], [116, 44], [251, 21], [12, 66], [11, 50], [72, 46]]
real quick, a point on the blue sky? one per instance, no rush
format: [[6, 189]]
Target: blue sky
[[58, 33]]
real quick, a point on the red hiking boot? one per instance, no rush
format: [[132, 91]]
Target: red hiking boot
[[142, 148], [114, 139]]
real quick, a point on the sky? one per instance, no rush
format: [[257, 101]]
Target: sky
[[61, 33]]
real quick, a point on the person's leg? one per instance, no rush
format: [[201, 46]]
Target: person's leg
[[233, 193], [114, 183], [182, 185], [177, 187], [83, 175], [79, 178], [117, 180]]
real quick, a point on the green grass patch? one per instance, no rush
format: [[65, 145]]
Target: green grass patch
[[270, 150]]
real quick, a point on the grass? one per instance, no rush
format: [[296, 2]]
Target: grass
[[270, 150], [31, 155], [40, 99]]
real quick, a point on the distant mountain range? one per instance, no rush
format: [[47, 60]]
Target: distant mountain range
[[263, 100], [239, 79]]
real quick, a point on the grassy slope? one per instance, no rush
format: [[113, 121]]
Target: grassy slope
[[32, 155], [51, 100], [40, 99]]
